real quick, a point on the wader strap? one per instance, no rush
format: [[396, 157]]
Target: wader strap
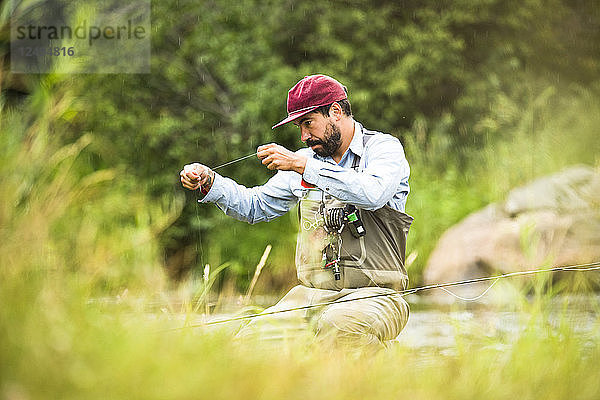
[[366, 136]]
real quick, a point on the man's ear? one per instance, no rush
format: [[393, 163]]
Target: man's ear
[[335, 111]]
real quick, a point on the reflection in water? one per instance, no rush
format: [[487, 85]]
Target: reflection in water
[[441, 329]]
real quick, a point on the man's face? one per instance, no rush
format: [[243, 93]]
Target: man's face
[[319, 133]]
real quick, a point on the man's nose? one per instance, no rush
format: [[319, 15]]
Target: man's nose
[[304, 134]]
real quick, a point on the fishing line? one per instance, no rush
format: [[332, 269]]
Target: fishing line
[[573, 268], [234, 161], [199, 247], [470, 298]]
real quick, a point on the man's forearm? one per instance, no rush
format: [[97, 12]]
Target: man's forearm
[[260, 203]]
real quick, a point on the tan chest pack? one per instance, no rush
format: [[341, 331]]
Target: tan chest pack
[[340, 246]]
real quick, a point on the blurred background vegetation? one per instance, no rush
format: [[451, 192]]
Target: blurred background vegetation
[[96, 233], [484, 95]]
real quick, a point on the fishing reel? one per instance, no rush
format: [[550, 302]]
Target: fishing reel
[[333, 219], [336, 218]]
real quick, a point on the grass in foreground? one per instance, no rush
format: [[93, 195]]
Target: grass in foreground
[[55, 344]]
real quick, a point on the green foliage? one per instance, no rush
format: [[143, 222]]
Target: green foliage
[[559, 128], [457, 81], [65, 215], [486, 96]]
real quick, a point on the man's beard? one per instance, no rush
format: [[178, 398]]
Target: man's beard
[[331, 143]]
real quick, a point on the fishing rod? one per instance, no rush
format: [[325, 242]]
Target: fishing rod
[[569, 268]]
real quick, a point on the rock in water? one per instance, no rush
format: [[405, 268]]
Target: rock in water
[[554, 220]]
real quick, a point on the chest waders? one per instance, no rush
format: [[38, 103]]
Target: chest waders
[[336, 251]]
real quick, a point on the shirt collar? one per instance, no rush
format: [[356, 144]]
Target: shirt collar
[[356, 145]]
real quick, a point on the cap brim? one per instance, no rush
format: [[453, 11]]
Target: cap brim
[[294, 116]]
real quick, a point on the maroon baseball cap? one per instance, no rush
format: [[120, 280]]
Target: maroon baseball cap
[[310, 93]]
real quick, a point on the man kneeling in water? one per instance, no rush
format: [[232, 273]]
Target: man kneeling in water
[[352, 186]]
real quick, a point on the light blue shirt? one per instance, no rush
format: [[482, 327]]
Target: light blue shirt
[[382, 180]]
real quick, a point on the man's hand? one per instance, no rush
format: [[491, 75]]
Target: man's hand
[[197, 175], [278, 157]]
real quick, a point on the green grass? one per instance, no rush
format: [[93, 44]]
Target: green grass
[[57, 345], [71, 237]]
